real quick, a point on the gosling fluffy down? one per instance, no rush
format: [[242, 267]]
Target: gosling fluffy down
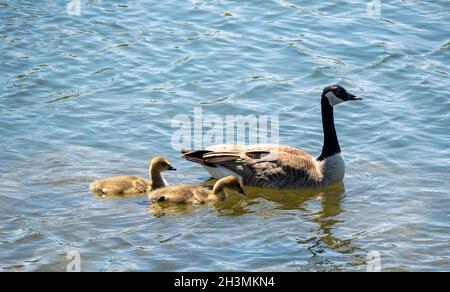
[[197, 194], [131, 185]]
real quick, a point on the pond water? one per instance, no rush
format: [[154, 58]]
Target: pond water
[[88, 96]]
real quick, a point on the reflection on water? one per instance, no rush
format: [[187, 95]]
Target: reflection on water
[[327, 206]]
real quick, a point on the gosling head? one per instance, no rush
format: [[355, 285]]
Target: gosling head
[[336, 94], [231, 183], [160, 164]]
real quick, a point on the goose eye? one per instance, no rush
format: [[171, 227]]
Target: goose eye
[[340, 93]]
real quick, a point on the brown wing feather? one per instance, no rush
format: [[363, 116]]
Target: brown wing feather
[[220, 157], [266, 165]]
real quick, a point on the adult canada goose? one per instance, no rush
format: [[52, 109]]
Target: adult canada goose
[[196, 194], [131, 185], [282, 166]]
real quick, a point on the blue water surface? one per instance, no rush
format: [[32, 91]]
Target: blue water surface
[[88, 96]]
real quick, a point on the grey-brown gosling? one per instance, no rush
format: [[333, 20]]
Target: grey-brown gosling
[[197, 194], [131, 185]]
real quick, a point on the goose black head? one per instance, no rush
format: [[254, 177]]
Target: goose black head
[[336, 94]]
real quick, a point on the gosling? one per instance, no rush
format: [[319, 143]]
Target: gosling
[[130, 185], [197, 194]]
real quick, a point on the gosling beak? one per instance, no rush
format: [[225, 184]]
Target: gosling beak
[[242, 192], [171, 168], [353, 97]]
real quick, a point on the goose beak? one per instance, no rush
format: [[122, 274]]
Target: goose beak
[[171, 168], [353, 97], [242, 192]]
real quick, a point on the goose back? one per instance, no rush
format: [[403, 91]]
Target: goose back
[[267, 166]]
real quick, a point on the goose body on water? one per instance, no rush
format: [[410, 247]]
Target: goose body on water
[[274, 166], [196, 194], [131, 185]]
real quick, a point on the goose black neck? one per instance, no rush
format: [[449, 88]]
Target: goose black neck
[[330, 141]]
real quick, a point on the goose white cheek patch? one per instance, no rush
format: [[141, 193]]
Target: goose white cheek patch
[[333, 99]]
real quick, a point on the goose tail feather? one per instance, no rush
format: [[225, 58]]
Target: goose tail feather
[[217, 164], [196, 156]]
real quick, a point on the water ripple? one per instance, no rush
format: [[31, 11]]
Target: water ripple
[[90, 96]]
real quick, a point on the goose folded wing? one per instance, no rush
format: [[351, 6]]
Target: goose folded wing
[[249, 165]]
